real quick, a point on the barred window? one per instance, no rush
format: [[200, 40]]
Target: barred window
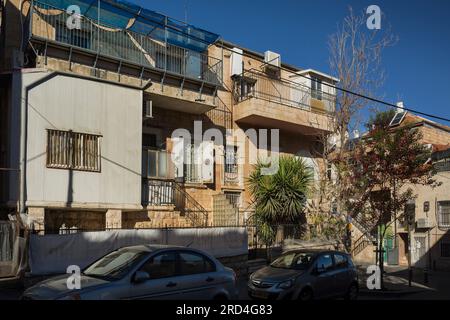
[[445, 249], [73, 150], [444, 214]]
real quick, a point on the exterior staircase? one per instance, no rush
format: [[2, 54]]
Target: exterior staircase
[[189, 207], [184, 209], [368, 236], [225, 213]]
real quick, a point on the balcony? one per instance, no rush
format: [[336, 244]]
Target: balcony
[[279, 103], [137, 45]]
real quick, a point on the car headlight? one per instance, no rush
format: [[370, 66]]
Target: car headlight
[[286, 284]]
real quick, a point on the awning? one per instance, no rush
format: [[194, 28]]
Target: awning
[[124, 15]]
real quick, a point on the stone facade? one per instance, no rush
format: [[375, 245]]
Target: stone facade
[[177, 103]]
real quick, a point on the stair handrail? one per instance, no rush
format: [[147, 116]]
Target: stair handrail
[[187, 198]]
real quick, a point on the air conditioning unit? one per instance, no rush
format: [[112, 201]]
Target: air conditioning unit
[[236, 62], [272, 59], [148, 110], [423, 223]]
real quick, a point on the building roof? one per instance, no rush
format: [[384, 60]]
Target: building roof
[[287, 66], [324, 75], [415, 120]]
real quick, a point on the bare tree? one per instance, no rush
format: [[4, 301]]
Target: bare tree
[[355, 59]]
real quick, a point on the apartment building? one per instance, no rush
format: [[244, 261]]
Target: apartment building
[[430, 237], [90, 103]]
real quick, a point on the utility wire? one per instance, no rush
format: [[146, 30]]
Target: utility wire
[[389, 104]]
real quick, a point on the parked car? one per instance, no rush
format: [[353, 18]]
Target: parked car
[[146, 272], [306, 275]]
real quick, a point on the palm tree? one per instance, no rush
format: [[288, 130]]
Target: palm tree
[[279, 198]]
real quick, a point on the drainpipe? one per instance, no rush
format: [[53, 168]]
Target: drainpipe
[[24, 123]]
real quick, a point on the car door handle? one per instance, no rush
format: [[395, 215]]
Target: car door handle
[[209, 279], [171, 284]]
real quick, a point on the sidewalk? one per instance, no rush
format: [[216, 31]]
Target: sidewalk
[[396, 284], [10, 288]]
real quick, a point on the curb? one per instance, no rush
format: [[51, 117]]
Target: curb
[[367, 292], [11, 283]]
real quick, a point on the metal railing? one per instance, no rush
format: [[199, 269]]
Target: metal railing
[[169, 192], [360, 244], [255, 84], [158, 192], [442, 165], [190, 207], [49, 23]]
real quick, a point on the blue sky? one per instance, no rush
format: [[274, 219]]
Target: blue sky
[[417, 67]]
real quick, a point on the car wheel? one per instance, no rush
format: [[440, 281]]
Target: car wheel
[[352, 293], [306, 295]]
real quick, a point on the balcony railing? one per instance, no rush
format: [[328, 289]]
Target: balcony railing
[[169, 192], [255, 84], [49, 24], [158, 192]]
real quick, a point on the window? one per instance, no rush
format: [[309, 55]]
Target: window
[[444, 214], [234, 198], [193, 163], [231, 165], [245, 87], [157, 163], [340, 261], [193, 263], [73, 150], [116, 264], [316, 88], [149, 140], [161, 266], [231, 159], [294, 260], [445, 249], [325, 262]]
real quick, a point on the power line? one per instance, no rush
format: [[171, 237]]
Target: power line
[[389, 104]]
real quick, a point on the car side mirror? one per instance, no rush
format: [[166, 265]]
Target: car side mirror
[[140, 276]]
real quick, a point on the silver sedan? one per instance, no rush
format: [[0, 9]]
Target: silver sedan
[[145, 272]]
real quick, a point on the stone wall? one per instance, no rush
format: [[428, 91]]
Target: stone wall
[[156, 218], [86, 220]]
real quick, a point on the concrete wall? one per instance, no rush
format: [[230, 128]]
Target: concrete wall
[[87, 106]]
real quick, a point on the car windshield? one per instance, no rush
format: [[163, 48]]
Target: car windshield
[[294, 260], [115, 265]]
